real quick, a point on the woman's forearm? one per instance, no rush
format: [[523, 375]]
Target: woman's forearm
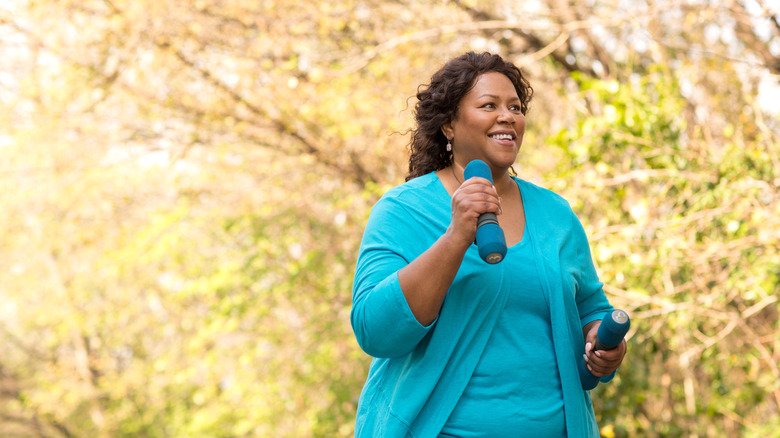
[[425, 280]]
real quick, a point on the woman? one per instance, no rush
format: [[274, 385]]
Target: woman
[[462, 347]]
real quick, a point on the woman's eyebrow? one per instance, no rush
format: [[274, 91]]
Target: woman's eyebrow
[[497, 97]]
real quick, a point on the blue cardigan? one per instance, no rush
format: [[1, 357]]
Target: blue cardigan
[[419, 372]]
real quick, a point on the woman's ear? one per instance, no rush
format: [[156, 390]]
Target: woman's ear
[[447, 130]]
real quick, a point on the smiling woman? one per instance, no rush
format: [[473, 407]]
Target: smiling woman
[[489, 124], [461, 347]]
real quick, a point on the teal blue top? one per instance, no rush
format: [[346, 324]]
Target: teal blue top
[[515, 389], [420, 372]]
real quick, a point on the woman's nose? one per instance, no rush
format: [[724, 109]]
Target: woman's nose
[[506, 116]]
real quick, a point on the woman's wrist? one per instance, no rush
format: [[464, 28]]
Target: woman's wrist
[[454, 242], [588, 327]]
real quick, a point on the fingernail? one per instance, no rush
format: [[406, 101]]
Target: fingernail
[[598, 353]]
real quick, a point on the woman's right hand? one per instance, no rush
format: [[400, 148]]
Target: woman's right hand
[[474, 197]]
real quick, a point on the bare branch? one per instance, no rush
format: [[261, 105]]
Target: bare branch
[[746, 32], [35, 420], [360, 177], [533, 41]]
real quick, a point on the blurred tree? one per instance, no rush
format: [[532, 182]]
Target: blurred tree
[[184, 185]]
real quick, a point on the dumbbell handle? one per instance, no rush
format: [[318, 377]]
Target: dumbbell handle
[[611, 332]]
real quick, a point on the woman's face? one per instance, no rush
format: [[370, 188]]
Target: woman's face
[[489, 125]]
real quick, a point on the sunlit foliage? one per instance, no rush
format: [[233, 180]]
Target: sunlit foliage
[[184, 186]]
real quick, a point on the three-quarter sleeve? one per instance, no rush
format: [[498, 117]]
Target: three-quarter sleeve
[[381, 318], [592, 303]]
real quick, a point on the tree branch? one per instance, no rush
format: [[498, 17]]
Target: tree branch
[[533, 41], [361, 176], [746, 31]]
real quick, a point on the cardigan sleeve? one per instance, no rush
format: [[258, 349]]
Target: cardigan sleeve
[[592, 303], [383, 323]]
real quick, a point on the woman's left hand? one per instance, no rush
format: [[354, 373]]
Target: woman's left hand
[[602, 362]]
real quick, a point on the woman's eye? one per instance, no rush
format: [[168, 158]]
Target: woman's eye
[[514, 108], [488, 106]]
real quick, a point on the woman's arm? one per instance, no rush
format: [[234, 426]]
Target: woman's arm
[[396, 300], [592, 303], [426, 280]]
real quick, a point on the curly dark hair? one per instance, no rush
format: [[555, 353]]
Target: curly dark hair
[[437, 104]]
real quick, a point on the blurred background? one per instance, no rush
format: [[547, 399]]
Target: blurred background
[[184, 184]]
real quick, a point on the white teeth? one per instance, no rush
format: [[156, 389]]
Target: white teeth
[[502, 136]]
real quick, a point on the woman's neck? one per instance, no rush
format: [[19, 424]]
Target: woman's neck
[[503, 182]]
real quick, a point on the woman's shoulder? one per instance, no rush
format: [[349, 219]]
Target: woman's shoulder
[[416, 189], [416, 204], [542, 195]]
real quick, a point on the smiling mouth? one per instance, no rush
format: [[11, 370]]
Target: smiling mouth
[[502, 137]]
